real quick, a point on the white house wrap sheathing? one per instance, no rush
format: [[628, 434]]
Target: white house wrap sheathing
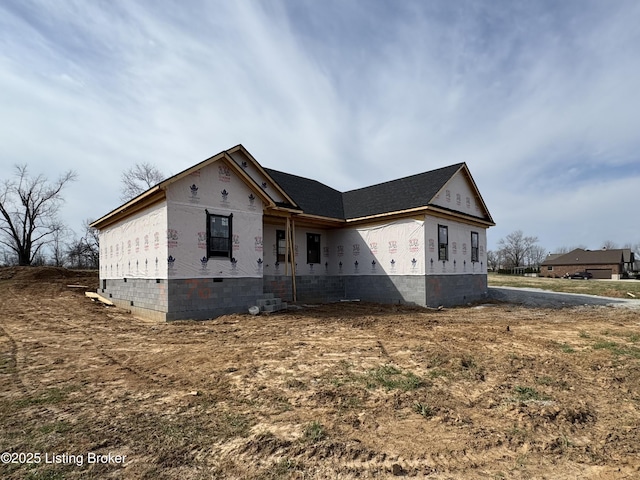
[[393, 248], [217, 190], [136, 247]]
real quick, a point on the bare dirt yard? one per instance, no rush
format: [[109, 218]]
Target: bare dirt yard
[[338, 391]]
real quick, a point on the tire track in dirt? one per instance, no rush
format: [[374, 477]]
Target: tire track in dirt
[[11, 363]]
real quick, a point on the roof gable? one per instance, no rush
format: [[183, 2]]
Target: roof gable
[[315, 199], [396, 195]]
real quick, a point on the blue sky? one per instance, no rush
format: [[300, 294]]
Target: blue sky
[[541, 99]]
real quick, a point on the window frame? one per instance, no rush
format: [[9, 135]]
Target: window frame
[[281, 235], [443, 247], [226, 253], [314, 255], [475, 251]]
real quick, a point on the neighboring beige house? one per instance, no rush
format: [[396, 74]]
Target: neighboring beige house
[[220, 235], [603, 264]]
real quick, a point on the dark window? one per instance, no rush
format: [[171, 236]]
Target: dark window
[[474, 247], [313, 248], [550, 267], [281, 245], [219, 235], [443, 242]]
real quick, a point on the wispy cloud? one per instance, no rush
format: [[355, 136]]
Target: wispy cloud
[[539, 98]]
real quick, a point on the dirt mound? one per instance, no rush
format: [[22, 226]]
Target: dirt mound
[[35, 276], [44, 273]]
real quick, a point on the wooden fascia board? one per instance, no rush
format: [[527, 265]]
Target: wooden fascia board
[[444, 213], [256, 164], [246, 178], [316, 220], [467, 173], [147, 199], [429, 209]]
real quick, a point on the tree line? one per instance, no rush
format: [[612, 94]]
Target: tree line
[[518, 250], [31, 232]]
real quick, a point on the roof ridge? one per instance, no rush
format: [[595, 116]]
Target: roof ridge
[[428, 172]]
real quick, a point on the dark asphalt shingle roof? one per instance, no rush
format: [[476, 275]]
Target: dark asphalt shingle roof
[[316, 198], [401, 194], [312, 197], [591, 257]]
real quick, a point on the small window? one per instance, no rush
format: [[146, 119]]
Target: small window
[[219, 235], [313, 248], [474, 247], [443, 242], [281, 245], [550, 267]]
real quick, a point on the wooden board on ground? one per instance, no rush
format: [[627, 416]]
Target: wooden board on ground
[[99, 298]]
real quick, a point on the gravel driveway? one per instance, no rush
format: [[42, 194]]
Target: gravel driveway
[[535, 297]]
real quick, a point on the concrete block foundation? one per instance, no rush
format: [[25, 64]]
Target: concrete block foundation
[[204, 298]]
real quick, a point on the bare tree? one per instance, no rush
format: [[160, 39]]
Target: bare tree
[[84, 252], [609, 245], [138, 179], [58, 246], [493, 261], [565, 249], [536, 255], [516, 248], [29, 207]]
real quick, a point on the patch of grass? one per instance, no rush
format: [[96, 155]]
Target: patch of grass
[[423, 409], [467, 362], [524, 394], [314, 432], [438, 372], [281, 469], [51, 396], [584, 334], [617, 349], [295, 384], [56, 427], [601, 287], [392, 378]]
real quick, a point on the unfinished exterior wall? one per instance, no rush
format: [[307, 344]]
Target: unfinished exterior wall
[[451, 290]]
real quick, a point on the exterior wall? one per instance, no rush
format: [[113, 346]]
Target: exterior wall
[[562, 270], [218, 190], [204, 298], [395, 289], [458, 195], [177, 299], [459, 262], [309, 288], [144, 297], [136, 247], [451, 290], [247, 165], [300, 249]]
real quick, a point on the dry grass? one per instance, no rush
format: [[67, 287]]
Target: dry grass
[[343, 391], [603, 288]]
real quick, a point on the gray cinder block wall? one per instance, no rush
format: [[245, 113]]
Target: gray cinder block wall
[[203, 298], [177, 299], [452, 290]]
